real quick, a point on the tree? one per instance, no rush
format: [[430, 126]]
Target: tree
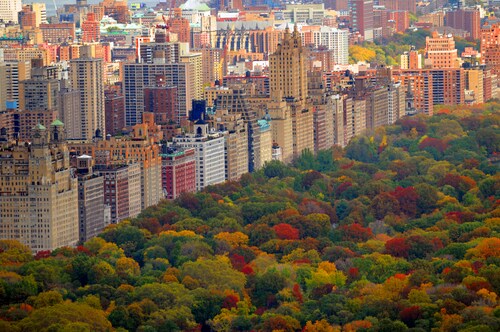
[[397, 247], [62, 315], [361, 149], [384, 204], [214, 273], [286, 232]]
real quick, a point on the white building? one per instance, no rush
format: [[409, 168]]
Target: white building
[[210, 158], [331, 38], [9, 10]]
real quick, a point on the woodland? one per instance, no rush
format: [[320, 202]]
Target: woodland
[[399, 231]]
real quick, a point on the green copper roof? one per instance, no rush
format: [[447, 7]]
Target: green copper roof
[[57, 123], [39, 126]]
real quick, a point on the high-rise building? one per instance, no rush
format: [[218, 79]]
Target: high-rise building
[[288, 82], [91, 29], [467, 19], [140, 149], [329, 38], [86, 76], [114, 109], [40, 92], [122, 190], [209, 147], [3, 87], [234, 102], [180, 26], [235, 131], [448, 86], [9, 10], [27, 17], [420, 83], [91, 208], [39, 201], [178, 171], [440, 51], [490, 41], [69, 110], [474, 82], [362, 17], [15, 72]]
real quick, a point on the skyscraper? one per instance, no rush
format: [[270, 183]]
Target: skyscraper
[[288, 82], [87, 77]]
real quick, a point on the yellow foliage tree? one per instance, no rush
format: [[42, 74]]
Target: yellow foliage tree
[[234, 239]]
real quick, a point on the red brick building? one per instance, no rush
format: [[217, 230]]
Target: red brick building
[[180, 26], [161, 100], [114, 112], [91, 30], [178, 171], [467, 19]]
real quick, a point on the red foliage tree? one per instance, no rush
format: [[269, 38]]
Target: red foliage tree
[[397, 247], [356, 233], [247, 269], [286, 232], [436, 143], [460, 182], [237, 261], [297, 293], [230, 301], [42, 254], [410, 315], [407, 198]]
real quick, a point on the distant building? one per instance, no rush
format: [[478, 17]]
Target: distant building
[[39, 195], [86, 76], [209, 147], [9, 10], [122, 190], [91, 208], [288, 82], [440, 51], [467, 19], [91, 29], [178, 171]]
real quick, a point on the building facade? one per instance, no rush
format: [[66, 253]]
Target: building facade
[[39, 195]]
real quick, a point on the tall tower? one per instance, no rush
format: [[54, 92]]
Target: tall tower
[[87, 77], [288, 82], [288, 76]]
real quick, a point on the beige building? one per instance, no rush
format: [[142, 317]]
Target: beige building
[[211, 60], [39, 195], [474, 83], [195, 72], [38, 93], [264, 153], [26, 54], [281, 128], [235, 131], [13, 73], [288, 82], [86, 75], [355, 118], [128, 150]]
